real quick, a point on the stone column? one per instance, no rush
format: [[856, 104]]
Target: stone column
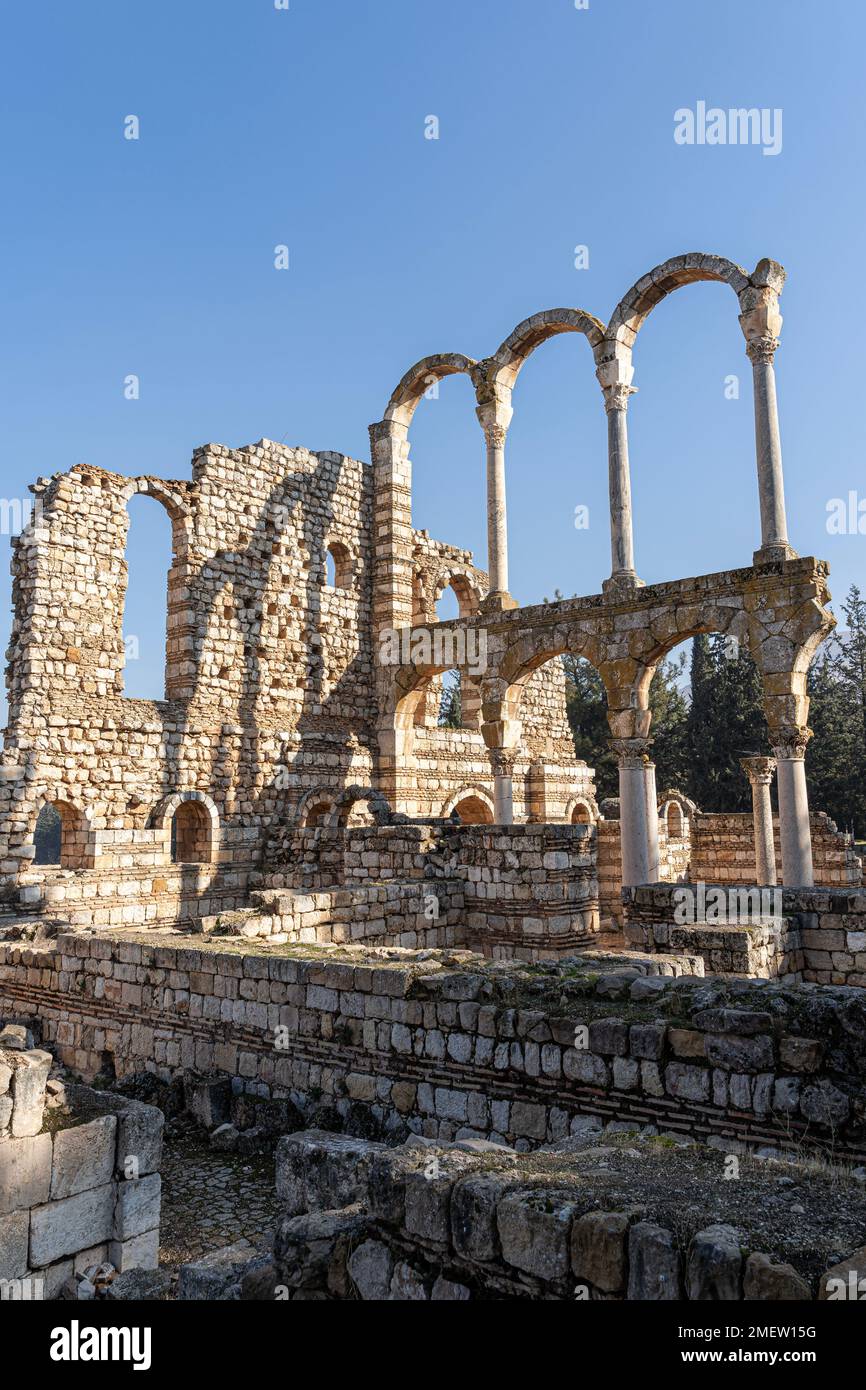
[[392, 593], [495, 417], [795, 831], [768, 448], [502, 761], [638, 814], [760, 774], [761, 323], [615, 377]]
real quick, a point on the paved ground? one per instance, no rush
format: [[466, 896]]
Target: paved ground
[[212, 1199]]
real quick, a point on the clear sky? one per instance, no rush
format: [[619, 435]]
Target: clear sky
[[306, 127]]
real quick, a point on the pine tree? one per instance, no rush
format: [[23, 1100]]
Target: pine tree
[[450, 702]]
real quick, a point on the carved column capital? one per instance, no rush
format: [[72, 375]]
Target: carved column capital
[[790, 743], [616, 396], [762, 348], [759, 770], [632, 752], [494, 417], [495, 434], [502, 760]]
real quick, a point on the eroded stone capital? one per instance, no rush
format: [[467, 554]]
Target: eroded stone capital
[[632, 752], [790, 743], [502, 760], [762, 348], [759, 770]]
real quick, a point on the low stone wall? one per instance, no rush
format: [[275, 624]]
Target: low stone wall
[[529, 891], [819, 937], [723, 850], [414, 914], [466, 1221], [79, 1181], [131, 897], [449, 1045]]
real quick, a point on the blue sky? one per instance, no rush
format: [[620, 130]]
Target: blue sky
[[306, 127]]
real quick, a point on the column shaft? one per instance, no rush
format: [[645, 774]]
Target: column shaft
[[638, 815], [619, 483], [795, 832], [768, 445], [760, 773], [497, 512]]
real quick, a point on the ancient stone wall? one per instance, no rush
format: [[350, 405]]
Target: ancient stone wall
[[452, 1046], [723, 850], [79, 1181]]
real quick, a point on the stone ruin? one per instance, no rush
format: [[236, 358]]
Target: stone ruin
[[286, 878]]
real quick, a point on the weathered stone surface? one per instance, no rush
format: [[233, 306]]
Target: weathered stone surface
[[25, 1172], [83, 1157], [370, 1269], [139, 1252], [29, 1075], [65, 1227], [14, 1244], [777, 1283], [319, 1171], [845, 1281], [212, 1275], [599, 1250], [534, 1230], [137, 1207], [654, 1264], [139, 1286], [714, 1265], [407, 1285]]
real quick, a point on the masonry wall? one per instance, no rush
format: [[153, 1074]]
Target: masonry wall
[[723, 850], [820, 935], [451, 1046], [80, 1190]]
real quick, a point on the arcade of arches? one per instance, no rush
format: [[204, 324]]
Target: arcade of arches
[[304, 663]]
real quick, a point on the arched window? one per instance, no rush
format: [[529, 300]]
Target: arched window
[[471, 810], [149, 552], [581, 815], [675, 820], [191, 834], [318, 814], [338, 566], [61, 836]]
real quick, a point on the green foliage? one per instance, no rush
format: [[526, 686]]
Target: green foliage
[[836, 756], [451, 704]]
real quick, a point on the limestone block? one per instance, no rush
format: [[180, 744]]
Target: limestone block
[[320, 1171], [83, 1157], [137, 1206], [775, 1282], [654, 1264], [599, 1243], [14, 1244], [714, 1265], [25, 1172], [534, 1232], [64, 1227], [29, 1075], [370, 1269], [140, 1252]]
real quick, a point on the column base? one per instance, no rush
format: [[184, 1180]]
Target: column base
[[499, 602], [773, 554], [622, 584]]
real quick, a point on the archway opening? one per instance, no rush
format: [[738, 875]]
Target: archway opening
[[60, 837], [674, 819], [191, 834], [338, 566], [149, 554], [317, 814], [471, 810], [581, 815]]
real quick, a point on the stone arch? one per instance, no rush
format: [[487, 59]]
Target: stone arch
[[76, 830], [343, 561], [502, 690], [315, 808], [479, 804], [466, 590], [639, 301], [582, 810], [198, 830], [380, 808], [500, 372], [411, 387]]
